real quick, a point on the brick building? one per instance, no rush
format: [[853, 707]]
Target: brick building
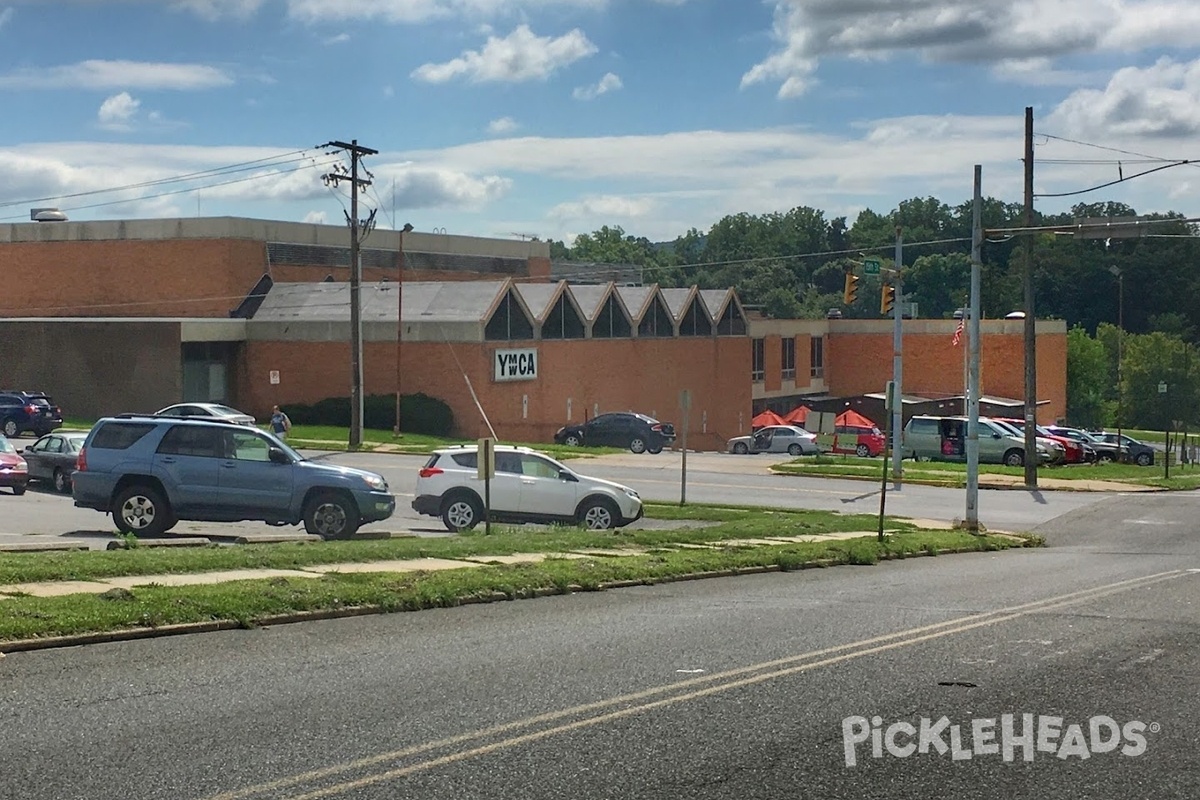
[[135, 315]]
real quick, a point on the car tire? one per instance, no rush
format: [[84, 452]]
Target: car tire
[[794, 450], [10, 428], [1014, 458], [18, 490], [1144, 459], [571, 440], [142, 511], [637, 445], [862, 451], [331, 516], [599, 514], [62, 483], [1104, 458], [461, 512], [655, 449], [741, 449]]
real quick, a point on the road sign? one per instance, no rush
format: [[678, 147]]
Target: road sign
[[890, 395], [1162, 388], [872, 266]]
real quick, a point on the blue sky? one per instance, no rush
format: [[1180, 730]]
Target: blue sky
[[554, 117]]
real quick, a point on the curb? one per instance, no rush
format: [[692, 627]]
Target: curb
[[213, 626]]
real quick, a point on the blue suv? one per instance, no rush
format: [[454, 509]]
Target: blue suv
[[27, 411], [151, 472]]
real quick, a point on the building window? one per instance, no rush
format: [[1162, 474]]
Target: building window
[[817, 357], [789, 359], [757, 360]]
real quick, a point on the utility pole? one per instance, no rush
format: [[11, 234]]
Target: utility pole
[[972, 515], [356, 368], [1031, 459], [399, 313], [898, 361]]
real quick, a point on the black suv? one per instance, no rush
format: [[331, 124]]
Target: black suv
[[638, 432], [28, 411]]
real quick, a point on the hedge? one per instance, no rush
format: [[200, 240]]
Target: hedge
[[419, 413]]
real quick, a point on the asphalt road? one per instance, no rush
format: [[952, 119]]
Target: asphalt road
[[712, 478], [729, 688]]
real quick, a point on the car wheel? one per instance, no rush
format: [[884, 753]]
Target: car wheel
[[10, 428], [461, 512], [1144, 459], [1105, 458], [18, 490], [655, 449], [142, 511], [637, 445], [572, 440], [863, 451], [331, 516], [794, 450], [741, 449], [599, 515], [1014, 458], [61, 482]]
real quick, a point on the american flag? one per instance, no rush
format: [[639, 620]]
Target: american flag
[[958, 332]]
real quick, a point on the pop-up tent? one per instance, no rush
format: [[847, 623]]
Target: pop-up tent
[[797, 415], [766, 418], [852, 417]]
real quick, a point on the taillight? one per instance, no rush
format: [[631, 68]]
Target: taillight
[[81, 459], [31, 409], [656, 427], [426, 472]]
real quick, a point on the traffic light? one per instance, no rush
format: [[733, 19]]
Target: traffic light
[[850, 294], [887, 299]]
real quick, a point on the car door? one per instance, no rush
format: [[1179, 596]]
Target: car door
[[604, 431], [37, 457], [781, 439], [186, 462], [250, 483], [543, 492], [505, 485]]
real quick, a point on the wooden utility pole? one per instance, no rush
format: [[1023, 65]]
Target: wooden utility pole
[[356, 369], [1031, 450]]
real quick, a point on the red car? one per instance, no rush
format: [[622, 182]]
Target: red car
[[14, 472], [859, 440]]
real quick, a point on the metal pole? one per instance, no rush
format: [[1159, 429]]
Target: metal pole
[[1031, 461], [356, 379], [1120, 354], [898, 363], [399, 319], [972, 515]]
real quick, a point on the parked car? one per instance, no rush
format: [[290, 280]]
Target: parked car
[[28, 411], [528, 486], [928, 438], [638, 432], [1129, 449], [790, 439], [207, 410], [52, 458], [1073, 452], [150, 472], [858, 439], [14, 472], [1105, 451]]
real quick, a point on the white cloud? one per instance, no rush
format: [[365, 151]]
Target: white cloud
[[521, 56], [412, 11], [117, 112], [6, 16], [341, 38], [316, 218], [97, 74], [603, 207], [502, 125], [609, 83], [1159, 101], [213, 10], [441, 187], [993, 32]]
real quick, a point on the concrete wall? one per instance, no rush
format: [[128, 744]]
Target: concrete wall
[[612, 375], [94, 368]]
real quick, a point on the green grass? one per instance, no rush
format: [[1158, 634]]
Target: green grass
[[245, 602], [732, 524]]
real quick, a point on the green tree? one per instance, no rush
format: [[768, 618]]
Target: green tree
[[1159, 358], [1088, 380]]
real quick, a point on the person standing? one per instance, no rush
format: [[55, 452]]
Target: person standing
[[280, 424]]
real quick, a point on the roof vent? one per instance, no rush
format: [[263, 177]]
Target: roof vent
[[47, 215]]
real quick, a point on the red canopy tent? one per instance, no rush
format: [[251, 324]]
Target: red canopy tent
[[852, 417], [766, 418], [797, 415]]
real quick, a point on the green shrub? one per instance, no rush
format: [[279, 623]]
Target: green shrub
[[419, 413]]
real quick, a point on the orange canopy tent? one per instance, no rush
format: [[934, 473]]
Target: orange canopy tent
[[766, 418], [797, 415], [852, 417]]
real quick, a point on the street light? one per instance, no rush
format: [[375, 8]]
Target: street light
[[1115, 270], [399, 319]]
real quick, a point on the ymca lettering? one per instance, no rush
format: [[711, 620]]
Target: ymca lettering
[[515, 365]]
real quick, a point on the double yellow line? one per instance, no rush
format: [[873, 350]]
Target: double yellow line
[[316, 784]]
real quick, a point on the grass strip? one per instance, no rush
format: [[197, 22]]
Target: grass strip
[[246, 602], [731, 524]]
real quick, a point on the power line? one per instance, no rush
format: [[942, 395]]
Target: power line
[[1106, 147], [1122, 179]]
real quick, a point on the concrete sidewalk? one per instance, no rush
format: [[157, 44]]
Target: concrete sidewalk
[[99, 586]]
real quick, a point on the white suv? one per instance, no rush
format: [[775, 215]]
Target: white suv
[[528, 486]]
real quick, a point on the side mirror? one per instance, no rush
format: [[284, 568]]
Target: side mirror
[[277, 456], [995, 435], [28, 448], [563, 475]]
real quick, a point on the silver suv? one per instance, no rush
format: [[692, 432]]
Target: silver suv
[[528, 486], [944, 439]]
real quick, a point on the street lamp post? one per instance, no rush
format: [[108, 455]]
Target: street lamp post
[[1115, 270], [399, 321]]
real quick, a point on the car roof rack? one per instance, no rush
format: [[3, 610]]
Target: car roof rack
[[191, 417]]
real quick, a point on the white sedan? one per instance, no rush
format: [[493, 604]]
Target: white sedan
[[790, 439], [212, 410]]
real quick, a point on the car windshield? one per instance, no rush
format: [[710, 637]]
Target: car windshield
[[1006, 428], [6, 446]]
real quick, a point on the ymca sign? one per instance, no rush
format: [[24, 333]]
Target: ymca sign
[[515, 365]]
